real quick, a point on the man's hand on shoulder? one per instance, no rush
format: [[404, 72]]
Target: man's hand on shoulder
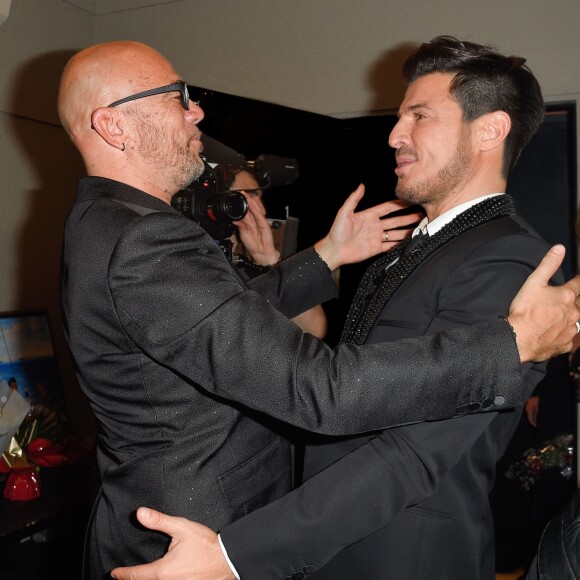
[[544, 317], [194, 552]]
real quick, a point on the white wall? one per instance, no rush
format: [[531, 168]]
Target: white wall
[[38, 166], [336, 57], [340, 56]]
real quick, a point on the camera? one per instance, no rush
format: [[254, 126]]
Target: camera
[[214, 210], [211, 203]]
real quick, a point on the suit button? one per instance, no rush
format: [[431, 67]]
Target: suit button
[[298, 575], [309, 570], [474, 406], [487, 403], [499, 400]]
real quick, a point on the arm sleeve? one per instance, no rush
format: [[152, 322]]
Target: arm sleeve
[[179, 302], [397, 468], [296, 284]]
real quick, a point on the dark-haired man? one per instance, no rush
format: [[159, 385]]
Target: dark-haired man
[[465, 118]]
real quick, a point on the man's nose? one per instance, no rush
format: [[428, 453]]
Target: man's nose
[[399, 135], [195, 113]]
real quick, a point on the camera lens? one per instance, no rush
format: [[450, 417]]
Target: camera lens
[[227, 207]]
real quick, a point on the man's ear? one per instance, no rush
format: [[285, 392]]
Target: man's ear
[[108, 124], [494, 128]]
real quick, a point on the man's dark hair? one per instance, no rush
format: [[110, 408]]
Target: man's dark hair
[[484, 81]]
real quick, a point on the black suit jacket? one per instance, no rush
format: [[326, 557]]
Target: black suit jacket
[[418, 492], [173, 352]]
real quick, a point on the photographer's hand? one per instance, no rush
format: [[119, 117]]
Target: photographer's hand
[[256, 234], [354, 237]]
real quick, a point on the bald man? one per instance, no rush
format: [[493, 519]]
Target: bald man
[[185, 367]]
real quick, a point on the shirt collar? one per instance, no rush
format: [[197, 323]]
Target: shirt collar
[[440, 221], [93, 187]]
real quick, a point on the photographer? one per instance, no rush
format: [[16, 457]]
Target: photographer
[[253, 239], [257, 244]]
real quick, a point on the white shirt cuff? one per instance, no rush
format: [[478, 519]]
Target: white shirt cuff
[[225, 553]]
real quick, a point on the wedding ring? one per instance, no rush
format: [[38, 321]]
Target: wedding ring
[[386, 237], [578, 327]]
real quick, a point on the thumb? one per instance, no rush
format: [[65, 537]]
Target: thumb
[[547, 267], [353, 199], [155, 520]]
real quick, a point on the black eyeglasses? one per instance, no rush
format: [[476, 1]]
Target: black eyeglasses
[[180, 86]]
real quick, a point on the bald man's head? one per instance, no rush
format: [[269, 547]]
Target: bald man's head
[[104, 73], [152, 142]]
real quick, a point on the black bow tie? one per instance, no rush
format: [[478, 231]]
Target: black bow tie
[[413, 244], [416, 241]]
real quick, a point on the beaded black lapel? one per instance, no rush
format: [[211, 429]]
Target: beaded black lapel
[[365, 309]]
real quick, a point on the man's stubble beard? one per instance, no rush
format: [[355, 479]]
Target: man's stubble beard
[[178, 162], [445, 182]]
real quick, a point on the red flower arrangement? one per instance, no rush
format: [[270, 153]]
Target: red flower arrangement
[[41, 441]]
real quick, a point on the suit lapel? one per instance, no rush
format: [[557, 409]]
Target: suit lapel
[[380, 281]]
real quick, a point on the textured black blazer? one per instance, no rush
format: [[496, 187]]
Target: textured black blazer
[[182, 365], [418, 492]]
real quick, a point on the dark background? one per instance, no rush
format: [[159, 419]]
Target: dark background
[[335, 155]]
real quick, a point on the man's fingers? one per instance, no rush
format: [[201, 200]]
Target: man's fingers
[[547, 267], [382, 210], [400, 221], [154, 520]]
